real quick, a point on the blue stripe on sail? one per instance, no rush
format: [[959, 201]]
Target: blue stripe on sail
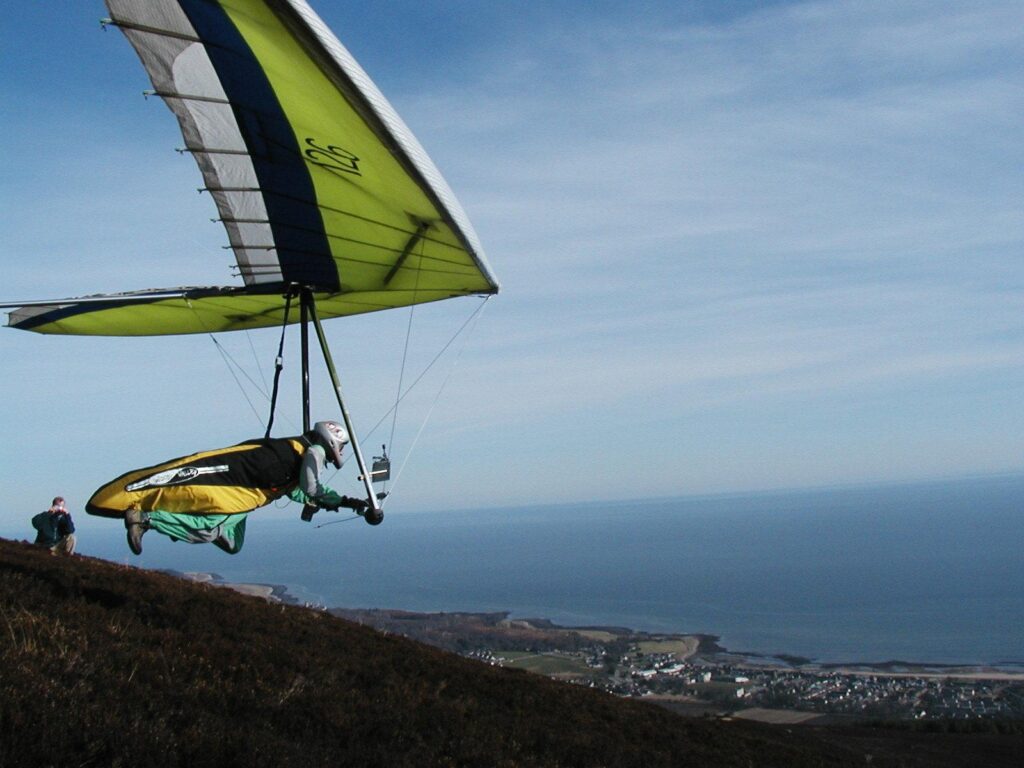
[[290, 198]]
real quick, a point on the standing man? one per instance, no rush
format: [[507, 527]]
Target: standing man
[[55, 529]]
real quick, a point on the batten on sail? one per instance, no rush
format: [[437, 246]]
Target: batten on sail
[[317, 181]]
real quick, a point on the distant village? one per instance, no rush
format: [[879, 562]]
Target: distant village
[[692, 674], [727, 688]]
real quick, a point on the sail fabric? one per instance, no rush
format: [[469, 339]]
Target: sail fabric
[[317, 180]]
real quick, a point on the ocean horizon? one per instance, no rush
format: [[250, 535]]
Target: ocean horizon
[[923, 572]]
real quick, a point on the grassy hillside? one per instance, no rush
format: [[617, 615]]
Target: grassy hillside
[[103, 664]]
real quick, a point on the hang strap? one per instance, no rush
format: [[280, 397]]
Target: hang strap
[[278, 364]]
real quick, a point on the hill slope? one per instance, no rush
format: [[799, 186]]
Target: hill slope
[[112, 665]]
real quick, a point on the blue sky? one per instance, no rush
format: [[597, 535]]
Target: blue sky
[[742, 246]]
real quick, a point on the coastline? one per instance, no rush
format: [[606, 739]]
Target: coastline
[[275, 593], [700, 646]]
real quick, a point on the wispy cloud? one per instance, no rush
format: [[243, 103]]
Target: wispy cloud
[[764, 242], [814, 200]]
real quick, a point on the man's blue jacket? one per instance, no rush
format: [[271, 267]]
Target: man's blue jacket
[[52, 528]]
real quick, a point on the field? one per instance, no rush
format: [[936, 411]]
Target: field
[[551, 664], [683, 647]]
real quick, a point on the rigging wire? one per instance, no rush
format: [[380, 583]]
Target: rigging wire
[[335, 522], [232, 364], [476, 312], [229, 361], [256, 357], [475, 316], [405, 349]]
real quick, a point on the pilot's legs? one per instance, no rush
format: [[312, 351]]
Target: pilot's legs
[[224, 531]]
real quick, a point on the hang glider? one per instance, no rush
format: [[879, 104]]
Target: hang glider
[[319, 184], [329, 202]]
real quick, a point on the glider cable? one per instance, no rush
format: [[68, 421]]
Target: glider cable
[[231, 363], [475, 316], [432, 363], [467, 323], [278, 364], [408, 336]]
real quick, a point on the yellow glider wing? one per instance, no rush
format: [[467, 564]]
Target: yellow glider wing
[[318, 182]]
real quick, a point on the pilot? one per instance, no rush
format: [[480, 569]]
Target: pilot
[[206, 497]]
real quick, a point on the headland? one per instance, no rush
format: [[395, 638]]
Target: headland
[[694, 673]]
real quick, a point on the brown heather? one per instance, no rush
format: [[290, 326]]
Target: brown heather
[[108, 665]]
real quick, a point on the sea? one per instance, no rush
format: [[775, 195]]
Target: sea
[[927, 573]]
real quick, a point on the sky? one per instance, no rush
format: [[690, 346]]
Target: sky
[[742, 246]]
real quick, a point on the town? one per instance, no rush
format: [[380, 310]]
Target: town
[[692, 674], [710, 686]]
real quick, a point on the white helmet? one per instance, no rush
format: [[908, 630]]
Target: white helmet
[[332, 436]]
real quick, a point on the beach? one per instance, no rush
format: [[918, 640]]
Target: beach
[[273, 592]]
